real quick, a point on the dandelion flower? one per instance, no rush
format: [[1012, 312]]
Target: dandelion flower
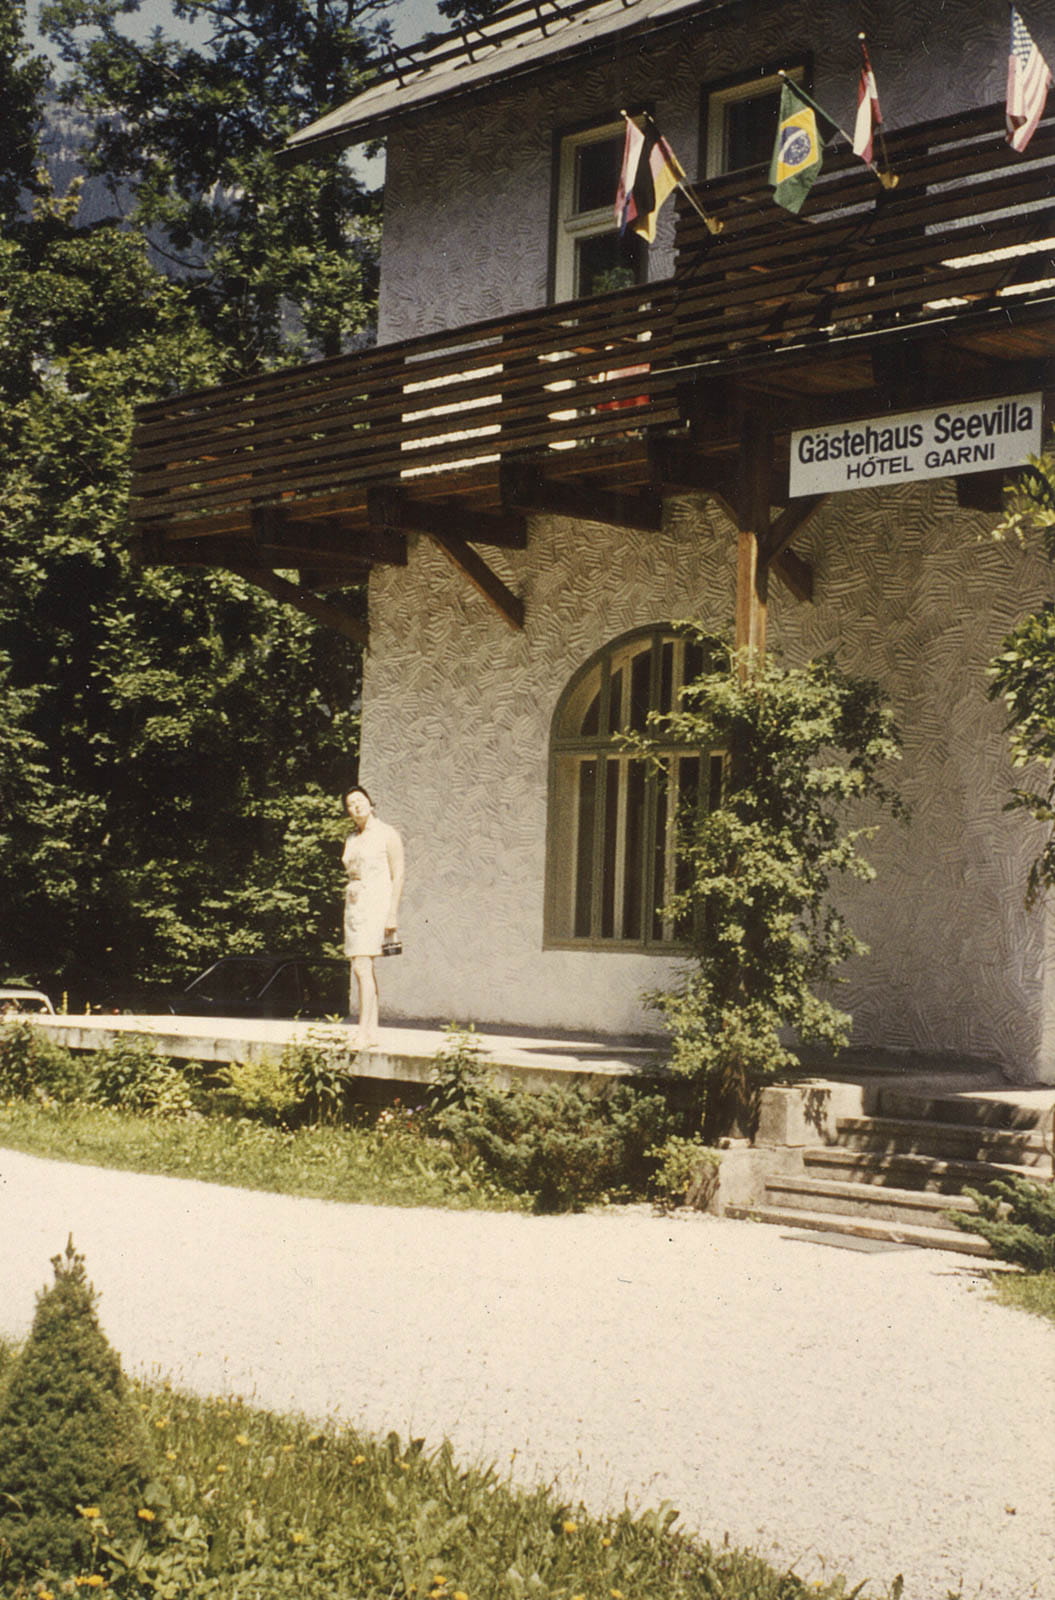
[[571, 1527], [286, 1448], [146, 1515], [241, 1438], [88, 1511], [605, 1543], [459, 1594], [298, 1538], [222, 1467], [171, 1455], [96, 1581], [357, 1461]]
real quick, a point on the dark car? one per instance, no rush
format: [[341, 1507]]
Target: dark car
[[267, 986]]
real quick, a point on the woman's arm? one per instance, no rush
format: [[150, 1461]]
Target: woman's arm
[[396, 871]]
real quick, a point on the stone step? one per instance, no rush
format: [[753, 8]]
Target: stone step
[[907, 1170], [975, 1110], [869, 1201], [947, 1141], [967, 1244]]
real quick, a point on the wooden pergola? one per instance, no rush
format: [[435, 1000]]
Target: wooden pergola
[[873, 300]]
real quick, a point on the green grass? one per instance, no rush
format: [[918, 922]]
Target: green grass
[[384, 1164], [1027, 1291], [256, 1506]]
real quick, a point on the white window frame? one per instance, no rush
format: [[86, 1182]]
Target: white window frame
[[718, 102], [573, 226]]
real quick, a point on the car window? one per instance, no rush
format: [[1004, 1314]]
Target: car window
[[231, 982], [325, 987], [282, 993]]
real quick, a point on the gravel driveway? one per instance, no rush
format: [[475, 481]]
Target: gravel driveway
[[871, 1409]]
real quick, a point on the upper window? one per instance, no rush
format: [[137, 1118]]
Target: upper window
[[589, 254], [613, 862], [740, 119]]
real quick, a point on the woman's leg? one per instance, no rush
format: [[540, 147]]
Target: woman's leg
[[366, 982]]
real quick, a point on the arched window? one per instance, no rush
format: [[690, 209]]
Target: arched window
[[612, 864]]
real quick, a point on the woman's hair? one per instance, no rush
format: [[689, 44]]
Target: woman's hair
[[357, 788]]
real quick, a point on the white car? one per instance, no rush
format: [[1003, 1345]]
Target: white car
[[15, 1000]]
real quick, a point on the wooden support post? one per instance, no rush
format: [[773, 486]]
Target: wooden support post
[[752, 571]]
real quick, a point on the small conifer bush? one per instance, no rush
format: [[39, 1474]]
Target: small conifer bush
[[1017, 1216], [73, 1449]]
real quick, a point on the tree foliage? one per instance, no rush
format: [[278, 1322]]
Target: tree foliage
[[171, 741], [276, 256], [71, 1441], [1023, 673], [22, 78], [802, 746]]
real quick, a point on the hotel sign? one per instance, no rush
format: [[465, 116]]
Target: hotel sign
[[979, 436]]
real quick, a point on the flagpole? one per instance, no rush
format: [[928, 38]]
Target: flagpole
[[889, 180], [714, 224]]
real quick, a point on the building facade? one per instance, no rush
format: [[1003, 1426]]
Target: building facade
[[537, 861]]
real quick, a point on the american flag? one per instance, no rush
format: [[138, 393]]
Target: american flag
[[1028, 82]]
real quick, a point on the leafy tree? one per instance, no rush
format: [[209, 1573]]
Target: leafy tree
[[1023, 673], [22, 79], [172, 741], [280, 259], [803, 745], [72, 1445]]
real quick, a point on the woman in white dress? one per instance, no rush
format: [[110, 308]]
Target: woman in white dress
[[373, 860]]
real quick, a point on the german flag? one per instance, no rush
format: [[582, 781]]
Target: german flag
[[650, 172]]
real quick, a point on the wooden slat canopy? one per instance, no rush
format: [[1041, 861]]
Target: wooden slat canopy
[[939, 289]]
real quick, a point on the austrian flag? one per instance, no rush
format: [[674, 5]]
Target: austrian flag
[[869, 116], [1028, 82]]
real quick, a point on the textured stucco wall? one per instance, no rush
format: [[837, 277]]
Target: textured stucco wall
[[457, 706], [467, 194], [455, 750]]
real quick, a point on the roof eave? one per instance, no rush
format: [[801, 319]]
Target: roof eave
[[305, 146]]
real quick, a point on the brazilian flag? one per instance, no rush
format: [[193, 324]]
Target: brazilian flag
[[797, 151]]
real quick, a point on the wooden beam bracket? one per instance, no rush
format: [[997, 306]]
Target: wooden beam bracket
[[525, 487], [386, 503], [292, 594], [391, 507]]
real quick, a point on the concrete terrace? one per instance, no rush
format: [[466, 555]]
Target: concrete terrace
[[855, 1081]]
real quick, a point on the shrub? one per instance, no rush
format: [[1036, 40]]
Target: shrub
[[1023, 673], [1017, 1216], [564, 1147], [35, 1066], [319, 1068], [72, 1446], [131, 1075], [686, 1172], [262, 1089], [756, 868]]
